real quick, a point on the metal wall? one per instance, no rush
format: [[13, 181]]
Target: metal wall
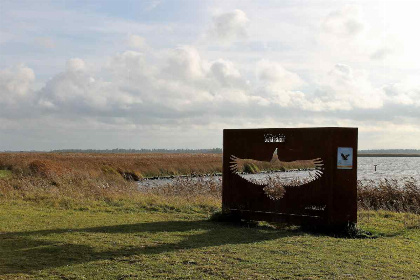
[[330, 200]]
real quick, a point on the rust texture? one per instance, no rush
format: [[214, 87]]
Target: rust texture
[[330, 200]]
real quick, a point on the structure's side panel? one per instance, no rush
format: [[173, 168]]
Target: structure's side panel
[[344, 196]]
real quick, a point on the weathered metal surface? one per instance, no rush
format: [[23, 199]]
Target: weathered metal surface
[[330, 200]]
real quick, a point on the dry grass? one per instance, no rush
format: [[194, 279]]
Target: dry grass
[[144, 165], [66, 180], [389, 195], [254, 166], [69, 180], [392, 195]]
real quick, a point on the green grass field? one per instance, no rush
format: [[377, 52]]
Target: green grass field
[[119, 242]]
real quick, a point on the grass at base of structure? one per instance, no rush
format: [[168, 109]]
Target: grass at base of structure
[[122, 240]]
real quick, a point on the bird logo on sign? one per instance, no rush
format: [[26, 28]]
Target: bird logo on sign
[[344, 157]]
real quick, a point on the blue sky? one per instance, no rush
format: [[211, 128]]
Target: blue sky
[[173, 74]]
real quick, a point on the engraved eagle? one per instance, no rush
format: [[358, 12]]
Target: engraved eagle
[[269, 175]]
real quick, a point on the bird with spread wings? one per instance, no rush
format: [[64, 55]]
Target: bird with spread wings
[[274, 183]]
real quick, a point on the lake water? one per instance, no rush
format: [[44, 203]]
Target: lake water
[[386, 168]]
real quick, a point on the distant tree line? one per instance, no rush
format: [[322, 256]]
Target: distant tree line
[[142, 151], [390, 151], [197, 151]]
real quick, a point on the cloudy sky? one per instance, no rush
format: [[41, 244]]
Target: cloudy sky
[[173, 74]]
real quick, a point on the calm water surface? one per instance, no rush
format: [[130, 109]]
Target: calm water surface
[[386, 168]]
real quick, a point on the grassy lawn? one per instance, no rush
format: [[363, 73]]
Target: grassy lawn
[[125, 243]]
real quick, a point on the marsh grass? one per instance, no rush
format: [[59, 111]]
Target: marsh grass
[[72, 181], [79, 180], [142, 165], [253, 166], [393, 195]]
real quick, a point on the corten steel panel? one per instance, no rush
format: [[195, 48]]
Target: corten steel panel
[[335, 191]]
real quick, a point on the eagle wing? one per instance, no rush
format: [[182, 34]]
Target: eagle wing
[[275, 175]]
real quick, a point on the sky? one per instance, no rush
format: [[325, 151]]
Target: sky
[[174, 74]]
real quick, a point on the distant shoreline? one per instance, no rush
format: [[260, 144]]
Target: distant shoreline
[[180, 152], [388, 155]]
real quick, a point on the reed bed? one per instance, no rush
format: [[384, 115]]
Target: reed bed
[[254, 166], [67, 179], [390, 194], [95, 165]]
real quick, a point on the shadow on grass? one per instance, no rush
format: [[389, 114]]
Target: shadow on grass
[[25, 252]]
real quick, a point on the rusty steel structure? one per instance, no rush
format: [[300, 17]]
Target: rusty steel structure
[[328, 199]]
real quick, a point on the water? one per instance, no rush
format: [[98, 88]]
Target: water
[[386, 168]]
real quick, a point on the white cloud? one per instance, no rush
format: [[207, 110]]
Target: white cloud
[[381, 53], [278, 85], [185, 62], [274, 73], [347, 37], [229, 26], [293, 70], [226, 73], [15, 84], [75, 65], [344, 89], [76, 91], [403, 94], [129, 64], [136, 42], [344, 22], [182, 85]]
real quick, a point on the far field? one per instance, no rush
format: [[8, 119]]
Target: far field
[[142, 165]]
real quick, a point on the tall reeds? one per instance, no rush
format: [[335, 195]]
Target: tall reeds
[[390, 194], [77, 177], [135, 165]]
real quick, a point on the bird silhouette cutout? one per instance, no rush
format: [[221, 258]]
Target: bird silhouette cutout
[[344, 157], [267, 173]]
